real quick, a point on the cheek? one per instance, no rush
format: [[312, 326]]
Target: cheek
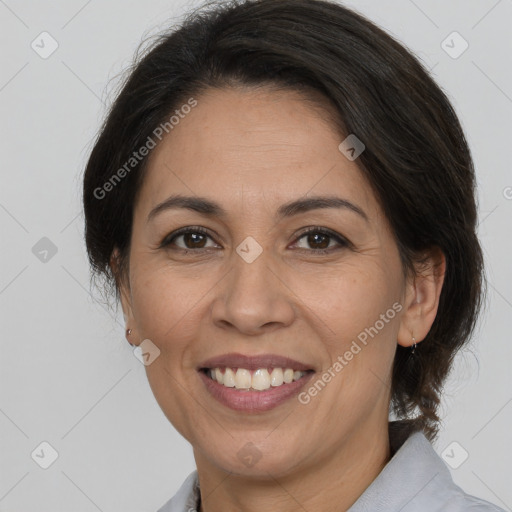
[[349, 299], [158, 303], [359, 324], [356, 314], [166, 310], [167, 307]]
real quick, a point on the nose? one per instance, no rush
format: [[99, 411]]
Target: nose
[[252, 298]]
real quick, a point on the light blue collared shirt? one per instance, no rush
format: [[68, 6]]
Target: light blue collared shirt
[[415, 480]]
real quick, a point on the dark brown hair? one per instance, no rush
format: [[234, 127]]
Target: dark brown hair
[[416, 159]]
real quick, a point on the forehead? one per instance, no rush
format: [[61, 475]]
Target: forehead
[[253, 145]]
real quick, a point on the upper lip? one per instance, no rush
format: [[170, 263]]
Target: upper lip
[[236, 360]]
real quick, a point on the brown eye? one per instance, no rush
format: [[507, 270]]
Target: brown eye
[[192, 238], [319, 240]]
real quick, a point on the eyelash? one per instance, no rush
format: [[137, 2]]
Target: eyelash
[[169, 239]]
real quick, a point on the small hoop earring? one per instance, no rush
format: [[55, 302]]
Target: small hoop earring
[[414, 346]]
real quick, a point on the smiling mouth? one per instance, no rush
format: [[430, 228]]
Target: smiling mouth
[[260, 379]]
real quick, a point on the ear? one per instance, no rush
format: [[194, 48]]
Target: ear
[[125, 296], [422, 297]]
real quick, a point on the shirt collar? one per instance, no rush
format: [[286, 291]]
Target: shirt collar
[[411, 469]]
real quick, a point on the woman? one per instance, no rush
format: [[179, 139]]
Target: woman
[[283, 202]]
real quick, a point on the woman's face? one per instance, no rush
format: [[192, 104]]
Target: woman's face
[[253, 283]]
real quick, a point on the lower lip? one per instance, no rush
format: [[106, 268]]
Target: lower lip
[[254, 401]]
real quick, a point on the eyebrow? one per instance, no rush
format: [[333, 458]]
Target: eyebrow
[[209, 208]]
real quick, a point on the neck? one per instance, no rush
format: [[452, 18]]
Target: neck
[[332, 484]]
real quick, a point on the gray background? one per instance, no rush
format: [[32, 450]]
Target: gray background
[[68, 376]]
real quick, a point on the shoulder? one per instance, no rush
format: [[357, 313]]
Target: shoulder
[[463, 502], [416, 479], [448, 497]]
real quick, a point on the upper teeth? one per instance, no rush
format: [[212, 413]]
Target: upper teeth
[[260, 379]]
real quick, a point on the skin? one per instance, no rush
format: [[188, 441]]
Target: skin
[[251, 150]]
